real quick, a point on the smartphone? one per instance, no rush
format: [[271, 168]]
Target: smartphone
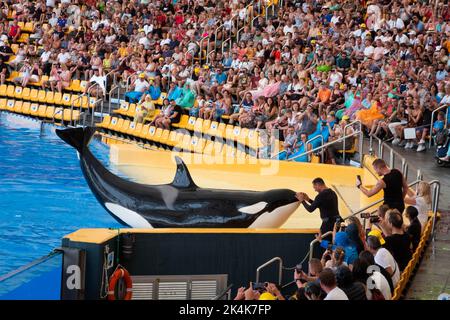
[[258, 286]]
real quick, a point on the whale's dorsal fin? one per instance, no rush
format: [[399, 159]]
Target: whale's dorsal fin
[[182, 178]]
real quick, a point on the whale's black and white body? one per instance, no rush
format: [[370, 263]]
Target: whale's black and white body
[[181, 203]]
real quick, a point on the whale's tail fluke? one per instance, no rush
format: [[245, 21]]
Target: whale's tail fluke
[[76, 137]]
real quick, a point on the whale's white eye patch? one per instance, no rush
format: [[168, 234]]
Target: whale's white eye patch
[[131, 218], [254, 208]]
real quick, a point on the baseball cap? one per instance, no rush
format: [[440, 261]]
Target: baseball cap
[[377, 233], [267, 296]]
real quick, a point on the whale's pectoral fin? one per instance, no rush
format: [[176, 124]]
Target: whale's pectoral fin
[[76, 137], [182, 178]]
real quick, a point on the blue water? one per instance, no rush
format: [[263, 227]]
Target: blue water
[[43, 195]]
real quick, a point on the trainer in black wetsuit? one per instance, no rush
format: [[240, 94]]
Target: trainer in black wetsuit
[[327, 203], [393, 184]]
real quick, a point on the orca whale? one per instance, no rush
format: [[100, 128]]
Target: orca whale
[[180, 204]]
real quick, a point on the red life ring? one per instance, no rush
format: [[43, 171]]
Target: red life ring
[[119, 274]]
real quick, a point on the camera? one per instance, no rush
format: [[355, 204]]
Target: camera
[[372, 218], [259, 286]]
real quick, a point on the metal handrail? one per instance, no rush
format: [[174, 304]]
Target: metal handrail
[[113, 88], [72, 105], [93, 109], [312, 243], [128, 82], [280, 269], [324, 146], [13, 273], [201, 49], [227, 291], [209, 54], [432, 120]]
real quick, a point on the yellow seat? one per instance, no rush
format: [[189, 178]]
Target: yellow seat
[[105, 122], [28, 27], [23, 38], [84, 102], [131, 111], [113, 123], [183, 122], [212, 148], [254, 140], [34, 108], [3, 89], [71, 115], [242, 139], [178, 140], [10, 91], [42, 96], [221, 130], [26, 107], [230, 151], [26, 93], [41, 111], [172, 141], [13, 75], [206, 125], [21, 24], [164, 139], [186, 143], [198, 144], [212, 129], [123, 108], [124, 127], [83, 85], [3, 104], [150, 133], [34, 95], [18, 92], [143, 131], [66, 99], [15, 47], [10, 105], [157, 135], [18, 106], [74, 85], [117, 126], [137, 129], [198, 127], [190, 124], [49, 113]]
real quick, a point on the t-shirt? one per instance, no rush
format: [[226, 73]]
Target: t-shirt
[[327, 202], [423, 207], [400, 247], [336, 294], [385, 259], [393, 193]]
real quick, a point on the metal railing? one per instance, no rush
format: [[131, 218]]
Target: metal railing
[[226, 292], [114, 88], [312, 243], [356, 133], [280, 268], [432, 121]]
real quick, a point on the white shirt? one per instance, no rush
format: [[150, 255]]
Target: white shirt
[[368, 51], [141, 85], [336, 294], [288, 29], [63, 57], [380, 282], [402, 39], [385, 259], [45, 56], [423, 208], [148, 28]]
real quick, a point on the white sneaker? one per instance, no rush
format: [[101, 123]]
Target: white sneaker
[[421, 147], [411, 145], [396, 141], [408, 145], [421, 142]]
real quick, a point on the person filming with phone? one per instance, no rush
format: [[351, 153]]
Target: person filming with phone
[[327, 203], [393, 184]]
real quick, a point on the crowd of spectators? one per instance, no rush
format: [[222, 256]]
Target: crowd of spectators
[[358, 263], [311, 65]]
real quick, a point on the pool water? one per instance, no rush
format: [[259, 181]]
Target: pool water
[[43, 194]]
